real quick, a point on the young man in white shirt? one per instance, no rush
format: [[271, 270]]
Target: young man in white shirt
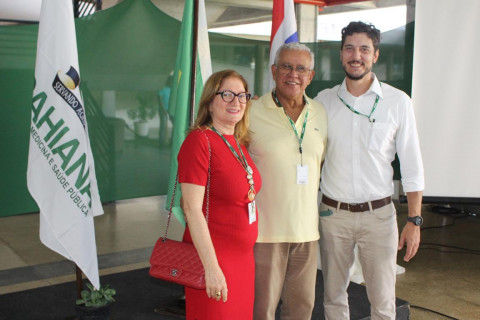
[[368, 122]]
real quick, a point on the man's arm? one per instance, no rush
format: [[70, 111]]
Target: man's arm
[[411, 233]]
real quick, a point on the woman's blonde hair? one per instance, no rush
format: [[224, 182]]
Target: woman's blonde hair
[[210, 89]]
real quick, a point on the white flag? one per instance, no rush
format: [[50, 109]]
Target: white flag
[[203, 44], [61, 172]]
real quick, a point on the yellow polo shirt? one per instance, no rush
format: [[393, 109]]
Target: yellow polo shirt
[[287, 211]]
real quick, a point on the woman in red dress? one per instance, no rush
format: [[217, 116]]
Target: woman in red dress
[[224, 242]]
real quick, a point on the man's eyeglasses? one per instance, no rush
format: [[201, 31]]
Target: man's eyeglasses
[[229, 96], [287, 68]]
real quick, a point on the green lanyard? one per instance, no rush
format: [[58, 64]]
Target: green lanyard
[[300, 139], [243, 161], [361, 114]]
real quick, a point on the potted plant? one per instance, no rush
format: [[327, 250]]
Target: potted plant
[[95, 304], [142, 113]]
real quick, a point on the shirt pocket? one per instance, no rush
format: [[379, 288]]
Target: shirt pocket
[[381, 137]]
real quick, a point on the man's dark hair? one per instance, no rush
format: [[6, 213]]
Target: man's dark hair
[[361, 27]]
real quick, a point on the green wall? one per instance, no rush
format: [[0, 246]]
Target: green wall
[[129, 51]]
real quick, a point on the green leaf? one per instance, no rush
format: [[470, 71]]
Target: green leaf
[[96, 298]]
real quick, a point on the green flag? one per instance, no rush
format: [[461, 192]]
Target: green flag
[[179, 104]]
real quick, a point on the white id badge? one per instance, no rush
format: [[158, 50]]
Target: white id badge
[[252, 217], [302, 174]]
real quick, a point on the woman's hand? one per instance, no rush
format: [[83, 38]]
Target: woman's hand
[[216, 286]]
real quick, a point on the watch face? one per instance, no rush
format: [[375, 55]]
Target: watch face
[[418, 221]]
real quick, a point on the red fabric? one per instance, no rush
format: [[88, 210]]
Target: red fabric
[[232, 235], [278, 15]]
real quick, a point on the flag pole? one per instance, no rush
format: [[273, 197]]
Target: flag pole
[[194, 61], [78, 273]]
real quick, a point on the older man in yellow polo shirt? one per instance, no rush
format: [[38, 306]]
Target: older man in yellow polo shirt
[[289, 134]]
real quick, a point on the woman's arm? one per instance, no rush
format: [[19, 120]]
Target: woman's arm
[[192, 206]]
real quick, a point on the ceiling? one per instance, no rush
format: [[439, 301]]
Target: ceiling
[[220, 13]]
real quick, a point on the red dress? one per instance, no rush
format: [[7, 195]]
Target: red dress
[[232, 235]]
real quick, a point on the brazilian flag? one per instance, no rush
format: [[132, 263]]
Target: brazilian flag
[[179, 104]]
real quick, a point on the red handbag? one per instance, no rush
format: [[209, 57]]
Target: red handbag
[[176, 261]]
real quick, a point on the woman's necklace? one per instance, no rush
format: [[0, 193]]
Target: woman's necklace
[[243, 162]]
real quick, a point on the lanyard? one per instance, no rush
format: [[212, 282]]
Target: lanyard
[[361, 114], [302, 134], [243, 161]]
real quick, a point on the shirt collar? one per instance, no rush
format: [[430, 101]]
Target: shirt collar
[[277, 103], [375, 87]]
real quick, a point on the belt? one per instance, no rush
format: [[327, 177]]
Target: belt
[[357, 207]]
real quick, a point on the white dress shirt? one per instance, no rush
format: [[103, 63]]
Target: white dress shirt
[[360, 150]]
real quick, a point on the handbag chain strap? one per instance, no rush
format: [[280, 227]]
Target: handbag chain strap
[[207, 191]]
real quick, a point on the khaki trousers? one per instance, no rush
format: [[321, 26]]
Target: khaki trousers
[[376, 234], [286, 272]]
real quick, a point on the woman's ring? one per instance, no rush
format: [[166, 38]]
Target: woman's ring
[[217, 294]]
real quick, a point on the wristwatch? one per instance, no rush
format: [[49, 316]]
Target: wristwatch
[[417, 220]]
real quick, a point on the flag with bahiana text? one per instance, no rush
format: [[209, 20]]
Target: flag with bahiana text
[[179, 105], [61, 173], [284, 29]]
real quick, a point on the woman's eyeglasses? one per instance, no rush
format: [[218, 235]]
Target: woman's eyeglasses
[[229, 96]]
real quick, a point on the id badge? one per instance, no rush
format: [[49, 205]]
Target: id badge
[[302, 174], [252, 217]]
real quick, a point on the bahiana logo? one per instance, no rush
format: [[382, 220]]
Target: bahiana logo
[[71, 79], [62, 84]]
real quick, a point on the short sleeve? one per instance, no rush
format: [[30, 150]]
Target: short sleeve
[[193, 159]]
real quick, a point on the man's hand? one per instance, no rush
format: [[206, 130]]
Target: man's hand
[[411, 236], [411, 233]]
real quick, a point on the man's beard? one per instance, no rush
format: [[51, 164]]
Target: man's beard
[[355, 77]]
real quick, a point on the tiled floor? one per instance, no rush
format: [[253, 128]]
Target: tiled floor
[[444, 279]]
